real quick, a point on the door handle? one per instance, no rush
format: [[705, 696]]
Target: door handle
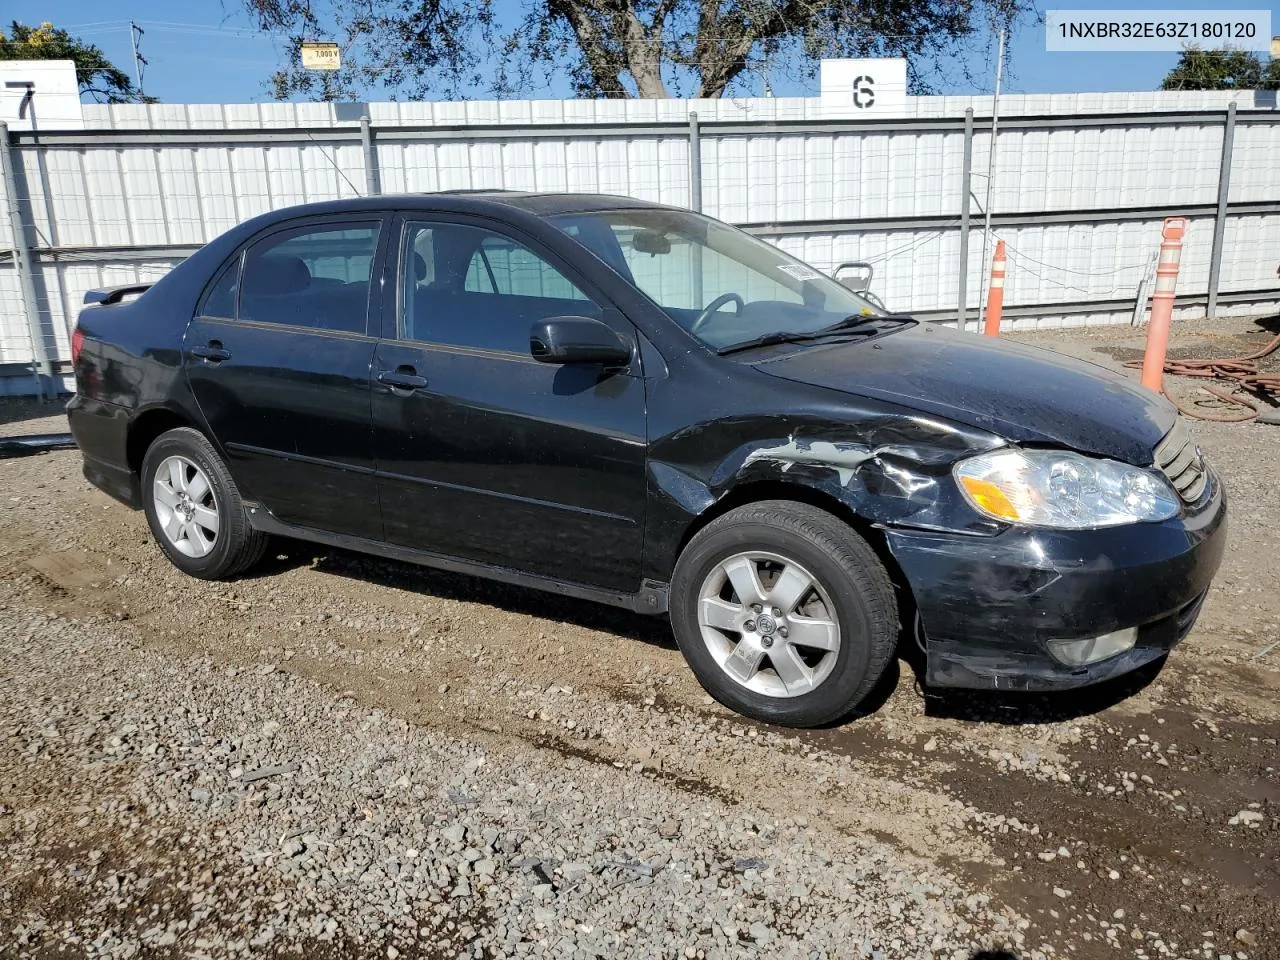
[[402, 378], [211, 352]]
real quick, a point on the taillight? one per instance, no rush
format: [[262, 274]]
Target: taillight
[[77, 343]]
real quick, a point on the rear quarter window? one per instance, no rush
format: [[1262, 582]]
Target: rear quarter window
[[220, 299]]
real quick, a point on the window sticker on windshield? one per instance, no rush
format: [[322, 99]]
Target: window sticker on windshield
[[799, 271]]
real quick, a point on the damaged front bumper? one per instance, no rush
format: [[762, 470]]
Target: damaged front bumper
[[990, 605]]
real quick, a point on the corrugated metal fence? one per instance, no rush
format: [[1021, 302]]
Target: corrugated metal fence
[[1082, 184]]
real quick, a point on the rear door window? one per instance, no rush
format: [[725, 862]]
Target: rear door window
[[315, 276]]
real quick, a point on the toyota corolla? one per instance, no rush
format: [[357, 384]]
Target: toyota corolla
[[639, 405]]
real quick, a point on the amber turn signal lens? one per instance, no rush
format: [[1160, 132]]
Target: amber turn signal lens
[[990, 498]]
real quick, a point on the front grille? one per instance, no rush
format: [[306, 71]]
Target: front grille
[[1179, 459]]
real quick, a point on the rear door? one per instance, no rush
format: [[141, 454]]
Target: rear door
[[483, 452], [278, 358]]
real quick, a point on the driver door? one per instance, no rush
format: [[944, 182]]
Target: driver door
[[484, 453]]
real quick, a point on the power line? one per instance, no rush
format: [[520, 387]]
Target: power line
[[1081, 273], [94, 24], [1093, 294], [333, 163], [169, 26], [202, 28]]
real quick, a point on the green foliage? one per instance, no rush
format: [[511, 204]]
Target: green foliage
[[425, 49], [98, 77], [1222, 70]]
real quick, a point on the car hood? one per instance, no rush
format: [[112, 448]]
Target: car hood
[[1023, 394]]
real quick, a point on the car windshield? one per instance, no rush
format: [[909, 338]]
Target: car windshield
[[721, 284]]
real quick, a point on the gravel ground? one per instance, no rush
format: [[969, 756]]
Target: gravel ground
[[345, 757]]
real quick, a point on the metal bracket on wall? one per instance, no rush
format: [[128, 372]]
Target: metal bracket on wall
[[1144, 290], [45, 386], [1220, 217]]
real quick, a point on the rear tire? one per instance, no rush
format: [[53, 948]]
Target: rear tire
[[194, 509], [817, 636]]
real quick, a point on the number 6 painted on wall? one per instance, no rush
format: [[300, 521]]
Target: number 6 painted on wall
[[864, 94]]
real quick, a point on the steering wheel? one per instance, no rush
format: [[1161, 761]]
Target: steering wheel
[[714, 306]]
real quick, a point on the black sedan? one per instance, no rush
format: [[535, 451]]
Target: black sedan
[[642, 406]]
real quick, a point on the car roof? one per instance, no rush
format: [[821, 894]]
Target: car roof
[[478, 201], [550, 204]]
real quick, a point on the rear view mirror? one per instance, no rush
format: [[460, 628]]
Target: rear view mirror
[[651, 241], [577, 340]]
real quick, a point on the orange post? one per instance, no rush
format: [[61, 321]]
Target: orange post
[[995, 293], [1162, 303]]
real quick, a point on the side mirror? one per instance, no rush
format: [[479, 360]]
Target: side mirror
[[577, 340]]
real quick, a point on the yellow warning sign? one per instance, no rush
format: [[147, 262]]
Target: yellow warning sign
[[321, 56]]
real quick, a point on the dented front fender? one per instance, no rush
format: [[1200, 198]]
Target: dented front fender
[[888, 466]]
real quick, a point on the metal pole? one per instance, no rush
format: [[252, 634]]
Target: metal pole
[[962, 298], [22, 261], [1220, 221], [991, 167], [134, 30], [371, 179], [695, 203], [695, 165]]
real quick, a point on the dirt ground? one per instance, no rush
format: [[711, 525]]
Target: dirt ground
[[1139, 819]]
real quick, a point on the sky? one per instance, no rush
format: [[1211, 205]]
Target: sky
[[205, 51]]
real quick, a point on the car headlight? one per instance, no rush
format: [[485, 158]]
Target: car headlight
[[1048, 488]]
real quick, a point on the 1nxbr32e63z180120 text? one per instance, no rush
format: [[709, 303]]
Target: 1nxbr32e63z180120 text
[[1153, 30]]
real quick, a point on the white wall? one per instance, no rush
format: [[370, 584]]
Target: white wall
[[148, 193]]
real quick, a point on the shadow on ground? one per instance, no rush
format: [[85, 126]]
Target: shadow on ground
[[455, 586], [974, 706], [19, 409], [1019, 709]]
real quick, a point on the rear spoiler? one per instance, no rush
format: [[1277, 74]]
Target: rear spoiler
[[105, 296]]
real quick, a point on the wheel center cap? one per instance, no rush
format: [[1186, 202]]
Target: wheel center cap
[[766, 625]]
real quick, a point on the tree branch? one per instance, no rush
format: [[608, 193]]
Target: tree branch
[[661, 12], [604, 64], [644, 56]]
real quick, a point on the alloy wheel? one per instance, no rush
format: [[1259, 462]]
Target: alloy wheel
[[769, 623], [185, 506]]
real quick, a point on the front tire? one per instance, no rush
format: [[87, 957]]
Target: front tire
[[784, 613], [194, 508]]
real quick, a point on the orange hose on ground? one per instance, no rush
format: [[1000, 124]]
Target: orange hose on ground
[[1243, 372]]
